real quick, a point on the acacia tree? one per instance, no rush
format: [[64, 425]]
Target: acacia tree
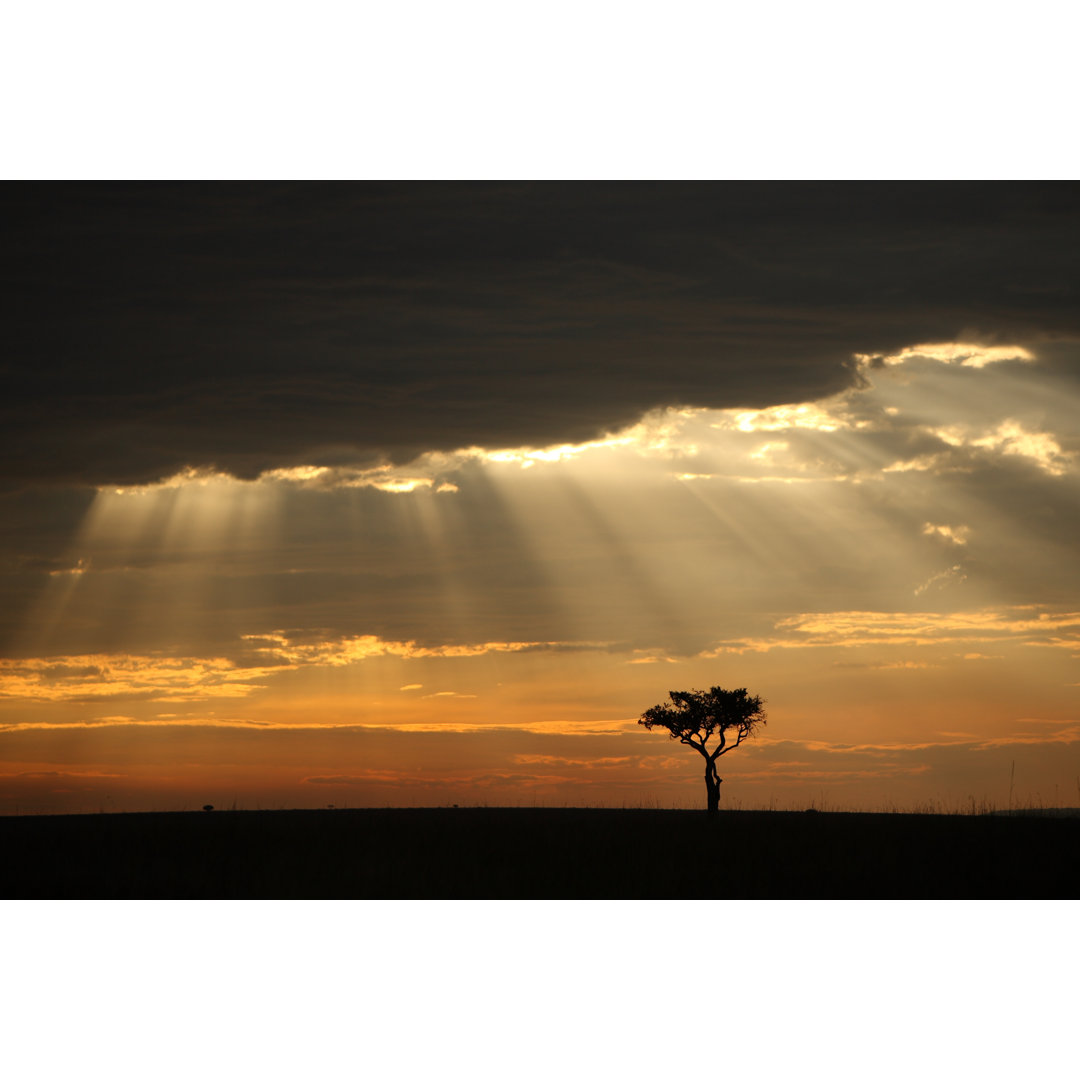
[[695, 716]]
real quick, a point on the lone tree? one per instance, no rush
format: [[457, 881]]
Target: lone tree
[[695, 716]]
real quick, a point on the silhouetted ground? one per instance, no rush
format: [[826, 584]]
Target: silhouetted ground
[[537, 853]]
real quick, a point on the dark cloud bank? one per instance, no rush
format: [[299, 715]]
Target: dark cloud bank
[[153, 326]]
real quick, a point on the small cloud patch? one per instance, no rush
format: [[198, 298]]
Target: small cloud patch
[[955, 534]]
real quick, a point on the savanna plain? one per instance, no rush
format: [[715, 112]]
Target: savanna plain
[[529, 852]]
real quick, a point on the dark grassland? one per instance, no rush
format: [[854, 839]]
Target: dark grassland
[[537, 853]]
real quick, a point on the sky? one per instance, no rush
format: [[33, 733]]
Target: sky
[[420, 494]]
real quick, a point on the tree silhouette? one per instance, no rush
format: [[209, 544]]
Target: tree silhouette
[[695, 716]]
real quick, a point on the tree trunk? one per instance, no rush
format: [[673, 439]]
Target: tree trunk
[[712, 787]]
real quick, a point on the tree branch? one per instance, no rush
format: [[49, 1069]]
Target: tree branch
[[688, 739], [743, 732], [720, 749]]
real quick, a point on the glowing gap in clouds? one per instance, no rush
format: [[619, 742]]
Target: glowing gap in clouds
[[965, 354]]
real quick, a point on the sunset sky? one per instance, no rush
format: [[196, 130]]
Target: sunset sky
[[393, 495]]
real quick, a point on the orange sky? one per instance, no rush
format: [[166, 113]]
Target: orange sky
[[892, 568]]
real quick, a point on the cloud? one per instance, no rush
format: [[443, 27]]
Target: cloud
[[955, 534], [247, 328], [337, 652], [954, 574], [577, 763], [891, 665], [1057, 721], [391, 479], [154, 678], [659, 433], [1011, 438], [1069, 732], [190, 723], [854, 629], [86, 678], [961, 353], [84, 774], [809, 416], [80, 567]]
